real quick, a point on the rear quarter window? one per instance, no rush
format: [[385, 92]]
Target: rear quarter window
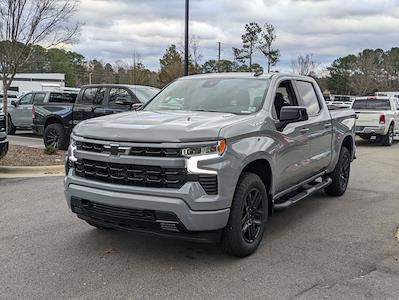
[[372, 104]]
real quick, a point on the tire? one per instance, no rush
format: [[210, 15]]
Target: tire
[[246, 225], [340, 175], [98, 226], [55, 136], [387, 140], [10, 126], [365, 136]]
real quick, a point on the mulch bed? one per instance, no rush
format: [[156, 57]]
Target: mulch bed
[[26, 156]]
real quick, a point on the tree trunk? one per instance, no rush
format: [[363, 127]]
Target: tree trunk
[[5, 100]]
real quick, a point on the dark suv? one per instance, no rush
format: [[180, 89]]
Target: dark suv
[[56, 120]]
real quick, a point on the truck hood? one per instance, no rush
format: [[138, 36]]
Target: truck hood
[[159, 126]]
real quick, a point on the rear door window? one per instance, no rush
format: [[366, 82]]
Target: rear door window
[[309, 97], [39, 98], [93, 96]]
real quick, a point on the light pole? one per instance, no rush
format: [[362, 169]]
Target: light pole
[[186, 56]]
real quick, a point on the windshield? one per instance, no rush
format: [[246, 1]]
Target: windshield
[[230, 95], [143, 93], [372, 104]]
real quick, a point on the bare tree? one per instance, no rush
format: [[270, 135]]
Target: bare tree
[[304, 65], [26, 23], [266, 40]]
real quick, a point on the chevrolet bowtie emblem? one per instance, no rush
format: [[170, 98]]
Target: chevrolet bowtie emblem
[[114, 149]]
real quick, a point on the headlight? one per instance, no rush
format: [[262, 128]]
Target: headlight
[[196, 154], [217, 148], [71, 150]]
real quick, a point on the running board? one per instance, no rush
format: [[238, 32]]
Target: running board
[[304, 194]]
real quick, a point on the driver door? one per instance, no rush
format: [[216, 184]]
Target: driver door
[[294, 149], [21, 115]]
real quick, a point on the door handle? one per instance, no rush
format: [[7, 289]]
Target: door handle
[[327, 125], [304, 130]]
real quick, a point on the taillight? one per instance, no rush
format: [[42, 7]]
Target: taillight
[[382, 119], [33, 112]]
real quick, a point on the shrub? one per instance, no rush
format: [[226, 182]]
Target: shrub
[[50, 150]]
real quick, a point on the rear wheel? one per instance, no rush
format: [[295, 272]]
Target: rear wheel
[[10, 126], [387, 140], [340, 175], [55, 136], [248, 215]]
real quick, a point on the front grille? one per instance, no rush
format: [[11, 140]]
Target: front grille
[[2, 123], [140, 175], [127, 174], [136, 151]]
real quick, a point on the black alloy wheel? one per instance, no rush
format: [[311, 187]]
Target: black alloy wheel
[[252, 214]]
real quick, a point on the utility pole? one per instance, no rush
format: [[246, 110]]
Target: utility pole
[[219, 44], [134, 66], [186, 56]]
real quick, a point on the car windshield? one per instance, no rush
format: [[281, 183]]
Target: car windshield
[[143, 93], [229, 95], [372, 104]]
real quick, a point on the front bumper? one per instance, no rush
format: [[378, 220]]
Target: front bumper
[[371, 130], [148, 199], [3, 147]]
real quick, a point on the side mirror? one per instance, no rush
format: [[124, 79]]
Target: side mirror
[[14, 103], [292, 114], [137, 106]]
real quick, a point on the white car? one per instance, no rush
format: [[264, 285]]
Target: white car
[[377, 116]]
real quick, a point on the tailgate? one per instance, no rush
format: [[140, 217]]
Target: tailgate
[[368, 118]]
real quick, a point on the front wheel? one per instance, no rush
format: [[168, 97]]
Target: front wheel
[[387, 140], [248, 215], [340, 175], [54, 136], [10, 126]]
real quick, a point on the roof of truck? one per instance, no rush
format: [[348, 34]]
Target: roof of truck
[[245, 75]]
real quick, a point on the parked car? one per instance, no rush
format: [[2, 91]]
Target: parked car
[[377, 116], [3, 136], [345, 101], [210, 158], [56, 120], [20, 110]]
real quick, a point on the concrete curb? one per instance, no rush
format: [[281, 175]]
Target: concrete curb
[[39, 171]]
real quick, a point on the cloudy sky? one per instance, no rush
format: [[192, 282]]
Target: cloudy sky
[[114, 29]]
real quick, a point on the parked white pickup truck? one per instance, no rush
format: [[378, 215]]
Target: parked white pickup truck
[[377, 116]]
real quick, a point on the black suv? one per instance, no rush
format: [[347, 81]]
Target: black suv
[[56, 120]]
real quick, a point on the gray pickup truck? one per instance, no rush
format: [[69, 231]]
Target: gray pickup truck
[[210, 158]]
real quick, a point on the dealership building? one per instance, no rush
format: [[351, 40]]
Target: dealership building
[[28, 82]]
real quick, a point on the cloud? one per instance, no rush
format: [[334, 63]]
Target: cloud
[[114, 29]]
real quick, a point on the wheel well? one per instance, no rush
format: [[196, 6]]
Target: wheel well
[[51, 121], [348, 143], [261, 167]]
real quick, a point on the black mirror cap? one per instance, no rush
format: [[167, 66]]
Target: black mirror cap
[[14, 103], [291, 114]]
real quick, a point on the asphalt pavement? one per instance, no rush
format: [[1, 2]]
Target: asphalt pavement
[[26, 138], [323, 247]]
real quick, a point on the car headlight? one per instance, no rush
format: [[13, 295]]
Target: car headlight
[[200, 153], [217, 148], [71, 150]]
